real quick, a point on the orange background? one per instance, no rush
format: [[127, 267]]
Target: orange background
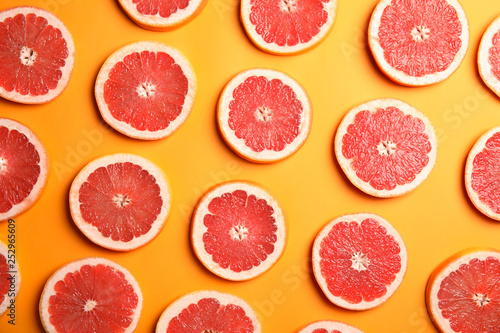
[[436, 220]]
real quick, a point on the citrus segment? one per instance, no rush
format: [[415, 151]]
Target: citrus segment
[[359, 261], [23, 168], [120, 201], [264, 115], [385, 147], [287, 26], [10, 278], [463, 294], [489, 56], [146, 90], [37, 55], [238, 230], [208, 311], [329, 326], [418, 42], [91, 295]]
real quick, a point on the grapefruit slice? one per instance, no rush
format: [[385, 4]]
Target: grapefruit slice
[[359, 260], [10, 278], [162, 15], [146, 90], [287, 26], [482, 174], [38, 55], [238, 230], [264, 115], [91, 295], [120, 201], [463, 293], [386, 147], [329, 326], [489, 56], [208, 311], [23, 168], [419, 42]]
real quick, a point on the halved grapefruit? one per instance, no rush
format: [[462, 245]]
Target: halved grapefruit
[[329, 326], [23, 168], [91, 295], [488, 57], [38, 55], [359, 260], [386, 147], [418, 42], [482, 174], [463, 293], [287, 26], [162, 15], [238, 230], [264, 115], [208, 311], [146, 90], [10, 278], [120, 201]]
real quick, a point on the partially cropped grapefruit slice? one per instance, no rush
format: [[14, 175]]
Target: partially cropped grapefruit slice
[[162, 15], [463, 293], [418, 42], [146, 90], [482, 171], [23, 168], [287, 26], [329, 326], [208, 311], [386, 147], [91, 295], [238, 230], [37, 55], [264, 115], [488, 57], [10, 278], [120, 201], [359, 261]]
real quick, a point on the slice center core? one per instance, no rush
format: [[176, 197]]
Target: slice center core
[[146, 90], [239, 232], [360, 261], [121, 200], [3, 165], [420, 33], [263, 113], [481, 299], [90, 305], [288, 6], [386, 148], [27, 56]]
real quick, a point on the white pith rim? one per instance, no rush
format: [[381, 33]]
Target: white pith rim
[[485, 68], [4, 251], [330, 325]]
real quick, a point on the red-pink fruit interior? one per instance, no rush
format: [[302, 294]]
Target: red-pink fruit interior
[[494, 55], [420, 37], [93, 299], [241, 230], [146, 90], [19, 168], [469, 297], [359, 260], [266, 114], [33, 53], [485, 178], [208, 315], [164, 8], [288, 22], [323, 330], [4, 278], [387, 148], [121, 200]]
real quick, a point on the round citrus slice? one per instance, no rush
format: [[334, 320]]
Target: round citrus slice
[[162, 15], [386, 147], [91, 295], [23, 168], [146, 90], [329, 326], [37, 55], [120, 201], [287, 26], [482, 171], [238, 230], [418, 42], [10, 279], [463, 293], [488, 57], [208, 311], [264, 115], [359, 261]]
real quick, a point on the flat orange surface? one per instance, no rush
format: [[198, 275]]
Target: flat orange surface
[[436, 220]]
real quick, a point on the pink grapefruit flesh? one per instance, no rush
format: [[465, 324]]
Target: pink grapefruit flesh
[[329, 326], [38, 55], [489, 56], [10, 278]]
